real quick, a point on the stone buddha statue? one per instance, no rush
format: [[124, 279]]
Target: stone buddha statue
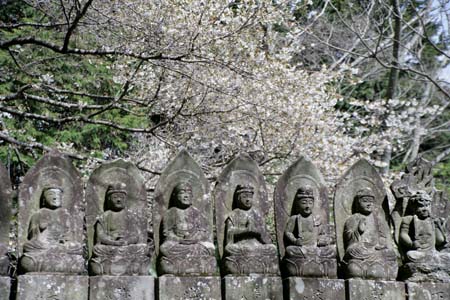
[[420, 237], [120, 246], [49, 246], [310, 251], [185, 244], [367, 253], [248, 247]]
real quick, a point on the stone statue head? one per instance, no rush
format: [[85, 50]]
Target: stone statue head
[[243, 197], [116, 195], [364, 201], [51, 197], [303, 201], [422, 203], [181, 195]]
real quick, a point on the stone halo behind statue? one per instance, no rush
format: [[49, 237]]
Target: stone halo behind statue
[[117, 218], [51, 213], [241, 204], [182, 220], [306, 240], [365, 245]]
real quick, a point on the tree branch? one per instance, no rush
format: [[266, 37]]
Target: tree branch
[[35, 145]]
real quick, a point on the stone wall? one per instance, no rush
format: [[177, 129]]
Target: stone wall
[[95, 244]]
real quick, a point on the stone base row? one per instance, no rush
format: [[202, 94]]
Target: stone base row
[[43, 287]]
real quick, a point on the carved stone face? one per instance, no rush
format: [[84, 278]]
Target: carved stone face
[[303, 205], [117, 201], [52, 198], [423, 204], [423, 211], [245, 200], [184, 197], [366, 204]]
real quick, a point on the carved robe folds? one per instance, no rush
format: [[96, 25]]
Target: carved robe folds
[[365, 246], [366, 255], [51, 215], [245, 246], [185, 243], [48, 248], [130, 258], [247, 249], [314, 256], [182, 221], [305, 239]]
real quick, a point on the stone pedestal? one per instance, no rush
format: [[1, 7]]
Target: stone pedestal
[[5, 287], [61, 287], [189, 288], [122, 288], [359, 289], [253, 287], [315, 288], [427, 291]]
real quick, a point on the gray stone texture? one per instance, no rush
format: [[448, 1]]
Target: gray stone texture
[[54, 287], [358, 289], [253, 287], [427, 291], [5, 218], [51, 217], [315, 289], [189, 288], [420, 221], [363, 236], [306, 240], [5, 287], [121, 288], [241, 210], [183, 220], [117, 228]]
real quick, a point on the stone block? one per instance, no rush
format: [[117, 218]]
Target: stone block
[[121, 288], [189, 288], [61, 287], [359, 289], [253, 287], [5, 287], [427, 291], [315, 288]]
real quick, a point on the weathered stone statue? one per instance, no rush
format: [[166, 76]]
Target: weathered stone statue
[[305, 239], [183, 220], [51, 218], [365, 240], [243, 240], [303, 235], [421, 232], [5, 219], [365, 245], [182, 232], [49, 239], [241, 201], [117, 224], [118, 249]]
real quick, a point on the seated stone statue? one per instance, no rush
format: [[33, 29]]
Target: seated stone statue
[[50, 247], [185, 244], [421, 236], [120, 246], [367, 253], [248, 248], [309, 250]]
